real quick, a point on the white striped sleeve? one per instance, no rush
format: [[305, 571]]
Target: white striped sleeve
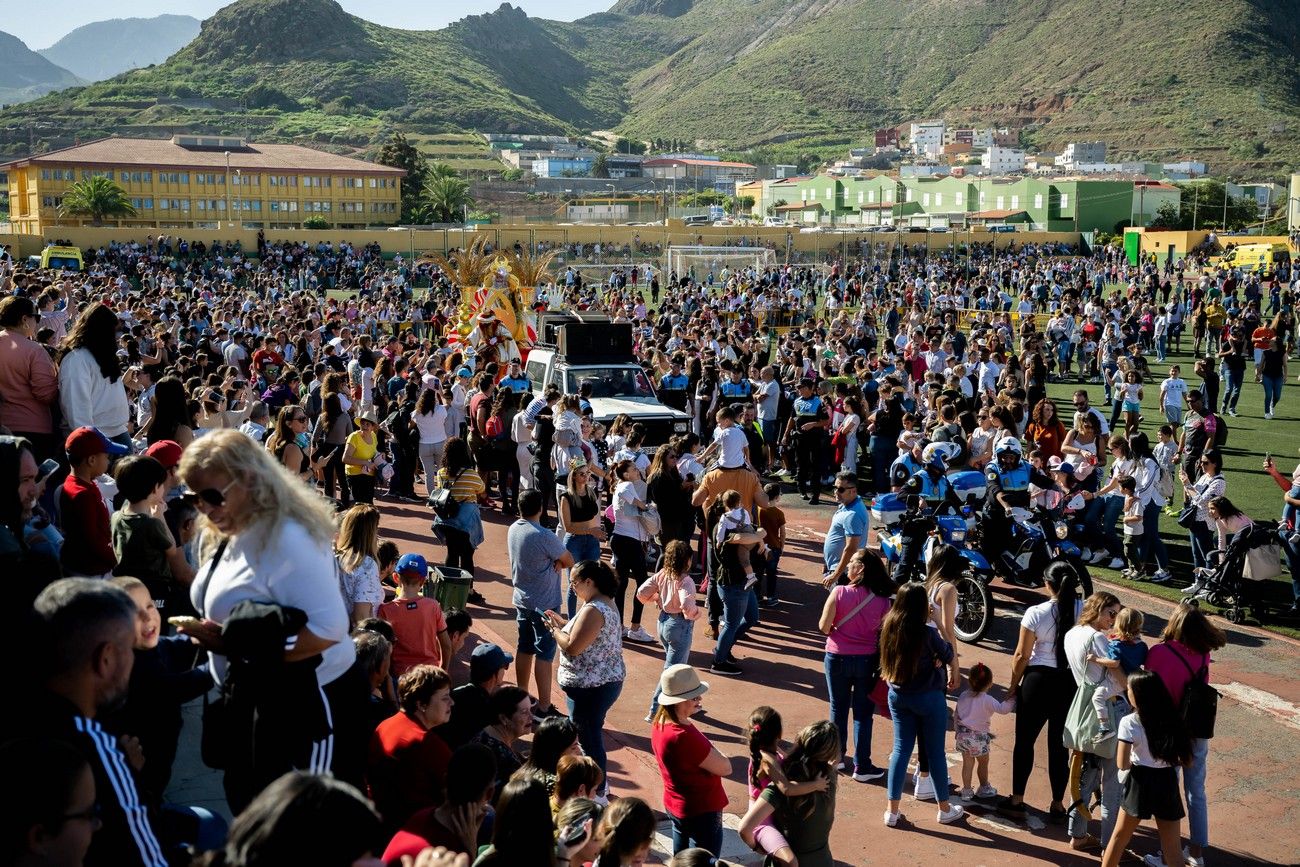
[[119, 776]]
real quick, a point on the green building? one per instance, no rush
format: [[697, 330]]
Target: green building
[[1041, 204]]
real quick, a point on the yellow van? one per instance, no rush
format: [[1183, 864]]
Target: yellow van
[[1261, 259], [58, 258]]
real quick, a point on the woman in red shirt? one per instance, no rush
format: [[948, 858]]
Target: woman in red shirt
[[1045, 430], [692, 768], [407, 767]]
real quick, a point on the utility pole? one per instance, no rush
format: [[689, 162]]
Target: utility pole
[[1196, 202], [1224, 227]]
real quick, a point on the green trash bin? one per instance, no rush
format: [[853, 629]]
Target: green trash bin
[[449, 586]]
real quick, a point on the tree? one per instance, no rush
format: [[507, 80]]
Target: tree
[[512, 175], [399, 153], [97, 198], [600, 167], [771, 209], [627, 146], [315, 222], [742, 205], [1203, 201], [447, 199], [1169, 217]]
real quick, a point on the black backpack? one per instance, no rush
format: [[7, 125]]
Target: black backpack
[[1200, 704]]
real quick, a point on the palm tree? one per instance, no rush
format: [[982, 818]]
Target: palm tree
[[97, 198], [447, 197]]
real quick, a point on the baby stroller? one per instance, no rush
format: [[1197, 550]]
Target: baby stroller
[[1232, 580]]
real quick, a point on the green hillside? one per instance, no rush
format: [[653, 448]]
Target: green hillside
[[1212, 80], [25, 75]]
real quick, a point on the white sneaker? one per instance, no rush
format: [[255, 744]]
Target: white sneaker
[[891, 819], [1085, 554], [1156, 859], [1268, 415], [986, 792], [750, 581], [952, 814], [639, 635], [1115, 563], [923, 788], [967, 794], [1098, 556]]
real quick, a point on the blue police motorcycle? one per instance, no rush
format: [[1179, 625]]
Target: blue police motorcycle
[[974, 601]]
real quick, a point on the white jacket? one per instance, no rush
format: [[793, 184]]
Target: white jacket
[[87, 397]]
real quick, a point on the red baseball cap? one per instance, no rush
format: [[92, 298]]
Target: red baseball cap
[[87, 441], [165, 452]]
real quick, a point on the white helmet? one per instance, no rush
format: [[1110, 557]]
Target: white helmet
[[940, 453], [1010, 445]]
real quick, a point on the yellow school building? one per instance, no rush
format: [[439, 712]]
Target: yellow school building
[[207, 182]]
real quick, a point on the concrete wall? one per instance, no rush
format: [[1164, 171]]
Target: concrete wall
[[1160, 242], [424, 241]]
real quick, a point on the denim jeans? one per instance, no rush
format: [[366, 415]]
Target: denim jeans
[[1231, 389], [675, 633], [588, 706], [739, 614], [1098, 771], [1272, 391], [704, 830], [769, 573], [1203, 541], [1198, 817], [849, 680], [1162, 347], [583, 546], [1292, 554], [913, 713], [1110, 510], [1152, 544]]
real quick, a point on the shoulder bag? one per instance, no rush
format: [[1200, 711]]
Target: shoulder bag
[[444, 505], [1082, 725]]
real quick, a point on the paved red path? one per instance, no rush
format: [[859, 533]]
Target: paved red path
[[1253, 790]]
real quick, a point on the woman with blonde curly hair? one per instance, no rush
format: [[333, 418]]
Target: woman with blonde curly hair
[[266, 538]]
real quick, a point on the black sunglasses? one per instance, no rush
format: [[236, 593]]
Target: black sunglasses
[[213, 497]]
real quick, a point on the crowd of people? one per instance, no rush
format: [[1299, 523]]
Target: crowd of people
[[200, 443]]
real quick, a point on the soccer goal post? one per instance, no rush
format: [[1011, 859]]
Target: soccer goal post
[[693, 260]]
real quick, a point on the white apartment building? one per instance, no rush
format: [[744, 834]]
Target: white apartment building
[[926, 138], [1082, 152], [1001, 161]]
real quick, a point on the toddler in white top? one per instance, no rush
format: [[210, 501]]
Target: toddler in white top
[[736, 520], [975, 709]]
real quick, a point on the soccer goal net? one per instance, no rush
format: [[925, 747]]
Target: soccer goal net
[[600, 273], [700, 261]]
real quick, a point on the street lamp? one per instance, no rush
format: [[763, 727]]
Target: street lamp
[[239, 173], [227, 179]]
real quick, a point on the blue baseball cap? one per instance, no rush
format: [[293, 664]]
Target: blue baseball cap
[[464, 371], [486, 660], [413, 563]]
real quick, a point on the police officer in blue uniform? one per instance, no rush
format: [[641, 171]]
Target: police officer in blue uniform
[[808, 427], [736, 389], [515, 380], [1009, 477], [673, 386], [931, 483]]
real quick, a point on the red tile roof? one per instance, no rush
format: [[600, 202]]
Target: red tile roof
[[799, 206], [997, 215], [162, 153]]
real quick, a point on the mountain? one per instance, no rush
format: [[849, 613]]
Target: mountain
[[1217, 80], [25, 75], [105, 48]]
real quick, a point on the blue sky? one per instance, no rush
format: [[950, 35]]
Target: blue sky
[[58, 17]]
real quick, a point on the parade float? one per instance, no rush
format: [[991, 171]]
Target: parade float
[[495, 319]]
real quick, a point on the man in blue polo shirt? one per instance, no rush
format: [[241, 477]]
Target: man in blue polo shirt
[[847, 532], [515, 380]]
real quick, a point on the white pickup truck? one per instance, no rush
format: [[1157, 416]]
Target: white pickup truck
[[618, 384]]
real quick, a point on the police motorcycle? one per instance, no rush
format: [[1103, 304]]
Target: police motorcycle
[[948, 526], [1033, 536]]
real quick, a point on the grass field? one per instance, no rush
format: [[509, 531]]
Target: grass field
[[1248, 486]]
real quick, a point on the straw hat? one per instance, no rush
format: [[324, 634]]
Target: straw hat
[[369, 415], [680, 683]]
